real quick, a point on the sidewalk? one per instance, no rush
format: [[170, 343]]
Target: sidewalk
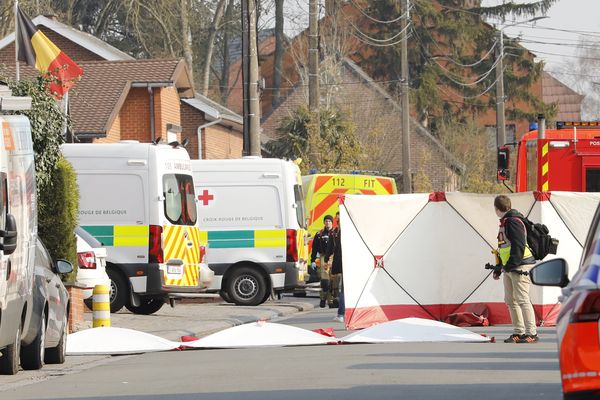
[[202, 319]]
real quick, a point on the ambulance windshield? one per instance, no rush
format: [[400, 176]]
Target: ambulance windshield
[[180, 204]]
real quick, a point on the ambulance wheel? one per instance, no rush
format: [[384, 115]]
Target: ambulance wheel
[[119, 291], [148, 305], [247, 286], [225, 296]]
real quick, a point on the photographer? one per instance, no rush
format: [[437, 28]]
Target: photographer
[[515, 260]]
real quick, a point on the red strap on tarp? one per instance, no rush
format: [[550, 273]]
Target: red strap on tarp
[[541, 196], [437, 196], [378, 261]]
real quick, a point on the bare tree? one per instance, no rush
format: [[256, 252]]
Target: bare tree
[[582, 76], [210, 44], [186, 34]]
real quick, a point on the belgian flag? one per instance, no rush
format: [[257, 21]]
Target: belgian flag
[[38, 51]]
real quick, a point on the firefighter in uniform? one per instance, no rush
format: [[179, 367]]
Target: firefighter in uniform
[[319, 246], [515, 259]]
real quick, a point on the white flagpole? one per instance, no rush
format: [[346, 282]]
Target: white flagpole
[[17, 74]]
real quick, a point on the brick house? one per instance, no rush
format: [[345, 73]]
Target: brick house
[[377, 118], [568, 101], [213, 131], [120, 98]]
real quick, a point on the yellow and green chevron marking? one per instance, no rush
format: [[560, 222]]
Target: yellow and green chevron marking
[[243, 239], [119, 235]]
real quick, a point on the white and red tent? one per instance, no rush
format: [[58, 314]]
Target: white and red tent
[[423, 255]]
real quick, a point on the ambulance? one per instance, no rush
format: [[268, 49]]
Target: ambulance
[[138, 200], [252, 218], [322, 192]]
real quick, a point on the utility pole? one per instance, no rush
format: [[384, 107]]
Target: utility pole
[[250, 80], [500, 119], [314, 92], [406, 172]]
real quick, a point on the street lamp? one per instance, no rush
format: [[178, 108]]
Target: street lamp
[[500, 119]]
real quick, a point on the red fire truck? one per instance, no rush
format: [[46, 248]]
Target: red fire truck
[[563, 159]]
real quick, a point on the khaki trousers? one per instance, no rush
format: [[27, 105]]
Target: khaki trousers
[[516, 296]]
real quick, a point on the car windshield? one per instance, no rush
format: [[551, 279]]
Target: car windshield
[[86, 237]]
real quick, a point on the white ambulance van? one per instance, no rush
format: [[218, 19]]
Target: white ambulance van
[[18, 231], [251, 215], [138, 200]]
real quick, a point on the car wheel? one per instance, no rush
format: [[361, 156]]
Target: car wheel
[[9, 360], [57, 355], [119, 290], [148, 305], [32, 355], [247, 287], [225, 296]]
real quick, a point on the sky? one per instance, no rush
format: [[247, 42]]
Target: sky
[[573, 18]]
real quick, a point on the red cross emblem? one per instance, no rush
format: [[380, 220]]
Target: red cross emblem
[[205, 197]]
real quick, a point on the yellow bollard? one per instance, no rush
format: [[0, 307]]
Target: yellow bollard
[[101, 306]]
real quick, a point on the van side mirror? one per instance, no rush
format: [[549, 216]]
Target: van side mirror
[[503, 163], [553, 272], [9, 235], [63, 267]]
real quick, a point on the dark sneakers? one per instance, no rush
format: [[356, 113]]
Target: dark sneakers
[[322, 304], [514, 338], [529, 339]]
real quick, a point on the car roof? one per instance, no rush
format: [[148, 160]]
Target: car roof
[[87, 238]]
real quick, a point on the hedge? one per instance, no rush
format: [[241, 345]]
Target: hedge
[[58, 205]]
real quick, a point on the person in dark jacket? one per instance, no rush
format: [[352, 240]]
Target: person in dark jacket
[[333, 256], [516, 261], [319, 248]]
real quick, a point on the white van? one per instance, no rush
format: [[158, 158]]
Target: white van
[[251, 215], [138, 200], [18, 231]]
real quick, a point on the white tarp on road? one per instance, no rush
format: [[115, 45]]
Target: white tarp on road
[[116, 341], [261, 334], [413, 330], [422, 255]]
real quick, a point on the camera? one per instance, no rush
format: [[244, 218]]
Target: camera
[[497, 268]]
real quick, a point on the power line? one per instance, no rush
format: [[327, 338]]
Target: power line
[[362, 11]]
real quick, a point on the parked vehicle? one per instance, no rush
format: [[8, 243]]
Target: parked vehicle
[[18, 228], [45, 339], [321, 194], [91, 261], [578, 327], [251, 215], [563, 159], [138, 200]]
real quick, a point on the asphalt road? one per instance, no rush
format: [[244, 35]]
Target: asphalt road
[[369, 371]]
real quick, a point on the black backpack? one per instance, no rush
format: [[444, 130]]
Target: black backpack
[[539, 240]]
